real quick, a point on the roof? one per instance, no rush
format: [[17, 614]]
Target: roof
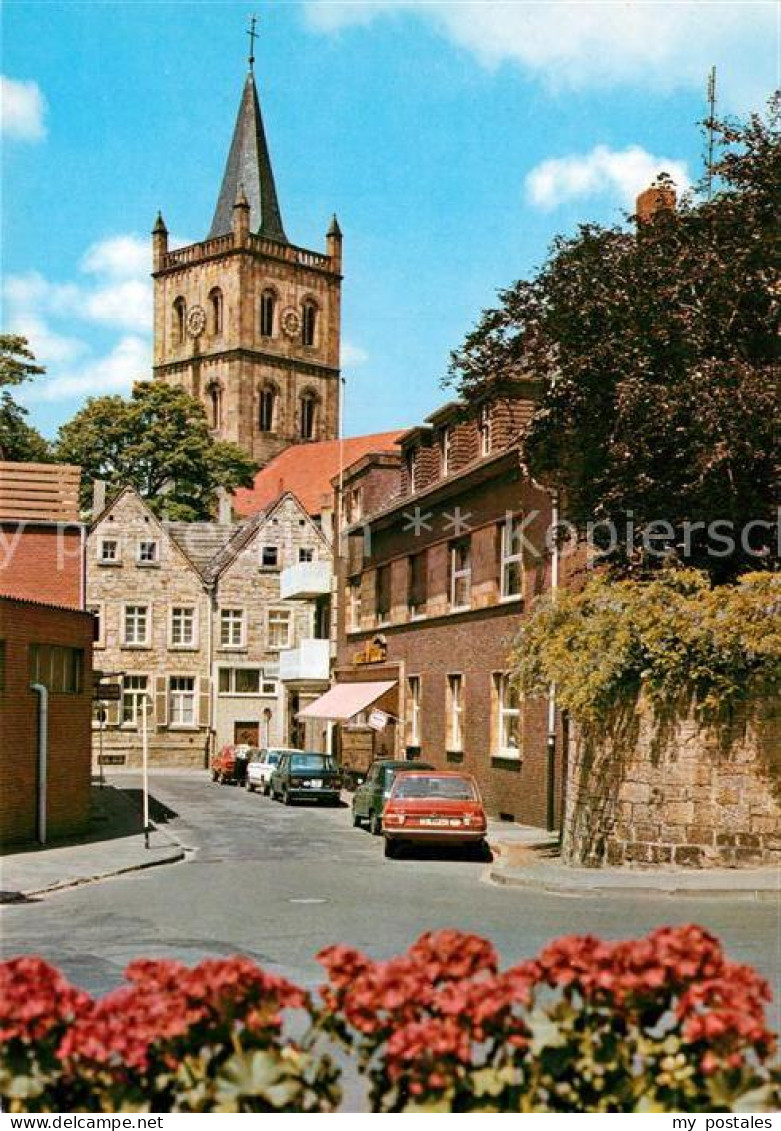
[[307, 470], [11, 598], [202, 541], [248, 171]]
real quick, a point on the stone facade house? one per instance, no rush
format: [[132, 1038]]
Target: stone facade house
[[192, 623]]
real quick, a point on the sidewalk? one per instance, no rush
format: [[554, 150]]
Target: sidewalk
[[529, 858], [112, 845]]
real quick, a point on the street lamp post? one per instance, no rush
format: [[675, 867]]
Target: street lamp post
[[145, 766]]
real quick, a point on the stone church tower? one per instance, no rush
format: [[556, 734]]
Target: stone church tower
[[246, 321]]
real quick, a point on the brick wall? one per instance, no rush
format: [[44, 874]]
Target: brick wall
[[42, 562], [681, 794], [21, 624]]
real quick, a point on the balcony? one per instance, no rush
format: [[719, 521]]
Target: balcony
[[305, 581], [308, 663]]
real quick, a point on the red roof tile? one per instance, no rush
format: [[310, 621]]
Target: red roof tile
[[307, 471]]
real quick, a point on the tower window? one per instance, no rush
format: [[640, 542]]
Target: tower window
[[180, 313], [268, 302], [215, 303], [308, 416], [308, 323], [215, 405], [267, 409]]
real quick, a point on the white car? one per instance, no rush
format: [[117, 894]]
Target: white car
[[262, 765]]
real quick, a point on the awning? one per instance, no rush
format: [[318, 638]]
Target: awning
[[346, 700]]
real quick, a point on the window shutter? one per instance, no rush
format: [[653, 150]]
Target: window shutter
[[204, 701], [161, 701]]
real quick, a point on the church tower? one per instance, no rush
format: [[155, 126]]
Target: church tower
[[245, 320]]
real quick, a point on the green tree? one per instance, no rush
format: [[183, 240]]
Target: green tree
[[19, 441], [157, 441], [656, 353]]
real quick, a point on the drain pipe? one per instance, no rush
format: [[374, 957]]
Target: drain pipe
[[43, 754], [551, 744]]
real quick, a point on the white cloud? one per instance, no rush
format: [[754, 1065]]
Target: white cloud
[[602, 172], [22, 109], [128, 361], [572, 44], [119, 257], [353, 355]]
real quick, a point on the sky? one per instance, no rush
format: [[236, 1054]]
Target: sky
[[454, 140]]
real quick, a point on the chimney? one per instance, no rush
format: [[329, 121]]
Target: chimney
[[98, 497], [651, 201], [224, 507]]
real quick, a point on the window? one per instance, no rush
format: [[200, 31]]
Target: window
[[509, 717], [413, 711], [215, 307], [460, 574], [445, 449], [383, 582], [485, 431], [412, 470], [267, 409], [97, 629], [268, 302], [147, 553], [268, 686], [354, 606], [215, 405], [306, 554], [134, 689], [136, 625], [240, 681], [308, 323], [179, 315], [183, 626], [512, 557], [279, 628], [108, 551], [455, 712], [354, 504], [269, 556], [308, 416], [58, 668], [231, 628], [417, 584], [181, 701]]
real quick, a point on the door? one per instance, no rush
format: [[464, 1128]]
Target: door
[[246, 734]]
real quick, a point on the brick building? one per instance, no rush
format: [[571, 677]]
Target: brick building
[[192, 618], [442, 548]]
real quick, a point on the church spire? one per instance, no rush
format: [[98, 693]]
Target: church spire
[[249, 168]]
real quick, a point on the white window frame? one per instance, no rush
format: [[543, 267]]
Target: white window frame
[[509, 559], [229, 619], [232, 693], [269, 687], [275, 563], [354, 595], [180, 645], [504, 715], [155, 559], [177, 698], [135, 695], [275, 612], [412, 470], [305, 554], [446, 447], [414, 696], [147, 621], [486, 439], [102, 543], [455, 712], [457, 575]]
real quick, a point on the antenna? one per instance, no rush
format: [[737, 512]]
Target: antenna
[[711, 127]]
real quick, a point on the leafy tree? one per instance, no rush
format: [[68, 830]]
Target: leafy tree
[[157, 441], [19, 441], [656, 353]]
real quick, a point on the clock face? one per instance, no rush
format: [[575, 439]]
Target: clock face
[[196, 321], [291, 323]]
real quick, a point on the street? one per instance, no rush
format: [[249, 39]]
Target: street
[[279, 883]]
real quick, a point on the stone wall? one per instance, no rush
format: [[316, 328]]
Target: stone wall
[[673, 792]]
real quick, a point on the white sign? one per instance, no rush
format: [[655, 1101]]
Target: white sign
[[378, 720]]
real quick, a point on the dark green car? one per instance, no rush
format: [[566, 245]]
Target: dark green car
[[369, 799]]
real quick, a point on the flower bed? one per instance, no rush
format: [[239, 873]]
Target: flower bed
[[664, 1023]]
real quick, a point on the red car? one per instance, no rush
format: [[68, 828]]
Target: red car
[[230, 764], [434, 807]]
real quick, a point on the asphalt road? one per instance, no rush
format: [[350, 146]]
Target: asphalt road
[[279, 883]]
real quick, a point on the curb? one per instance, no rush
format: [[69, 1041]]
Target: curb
[[565, 887]]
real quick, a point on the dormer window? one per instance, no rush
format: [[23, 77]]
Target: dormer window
[[412, 470], [308, 323], [485, 431], [268, 302]]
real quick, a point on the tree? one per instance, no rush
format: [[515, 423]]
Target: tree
[[656, 353], [19, 441], [157, 441]]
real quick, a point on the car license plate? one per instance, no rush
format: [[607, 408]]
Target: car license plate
[[316, 783], [434, 821]]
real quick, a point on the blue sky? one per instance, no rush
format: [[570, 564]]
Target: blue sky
[[454, 140]]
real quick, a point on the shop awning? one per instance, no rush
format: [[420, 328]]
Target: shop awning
[[346, 700]]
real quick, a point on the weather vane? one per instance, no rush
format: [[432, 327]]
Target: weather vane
[[253, 35]]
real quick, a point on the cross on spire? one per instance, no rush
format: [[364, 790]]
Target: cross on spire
[[253, 35]]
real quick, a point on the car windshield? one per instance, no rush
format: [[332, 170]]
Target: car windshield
[[452, 789], [310, 762], [272, 757]]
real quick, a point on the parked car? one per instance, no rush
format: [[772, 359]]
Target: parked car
[[369, 799], [230, 764], [261, 766], [303, 775], [434, 807]]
